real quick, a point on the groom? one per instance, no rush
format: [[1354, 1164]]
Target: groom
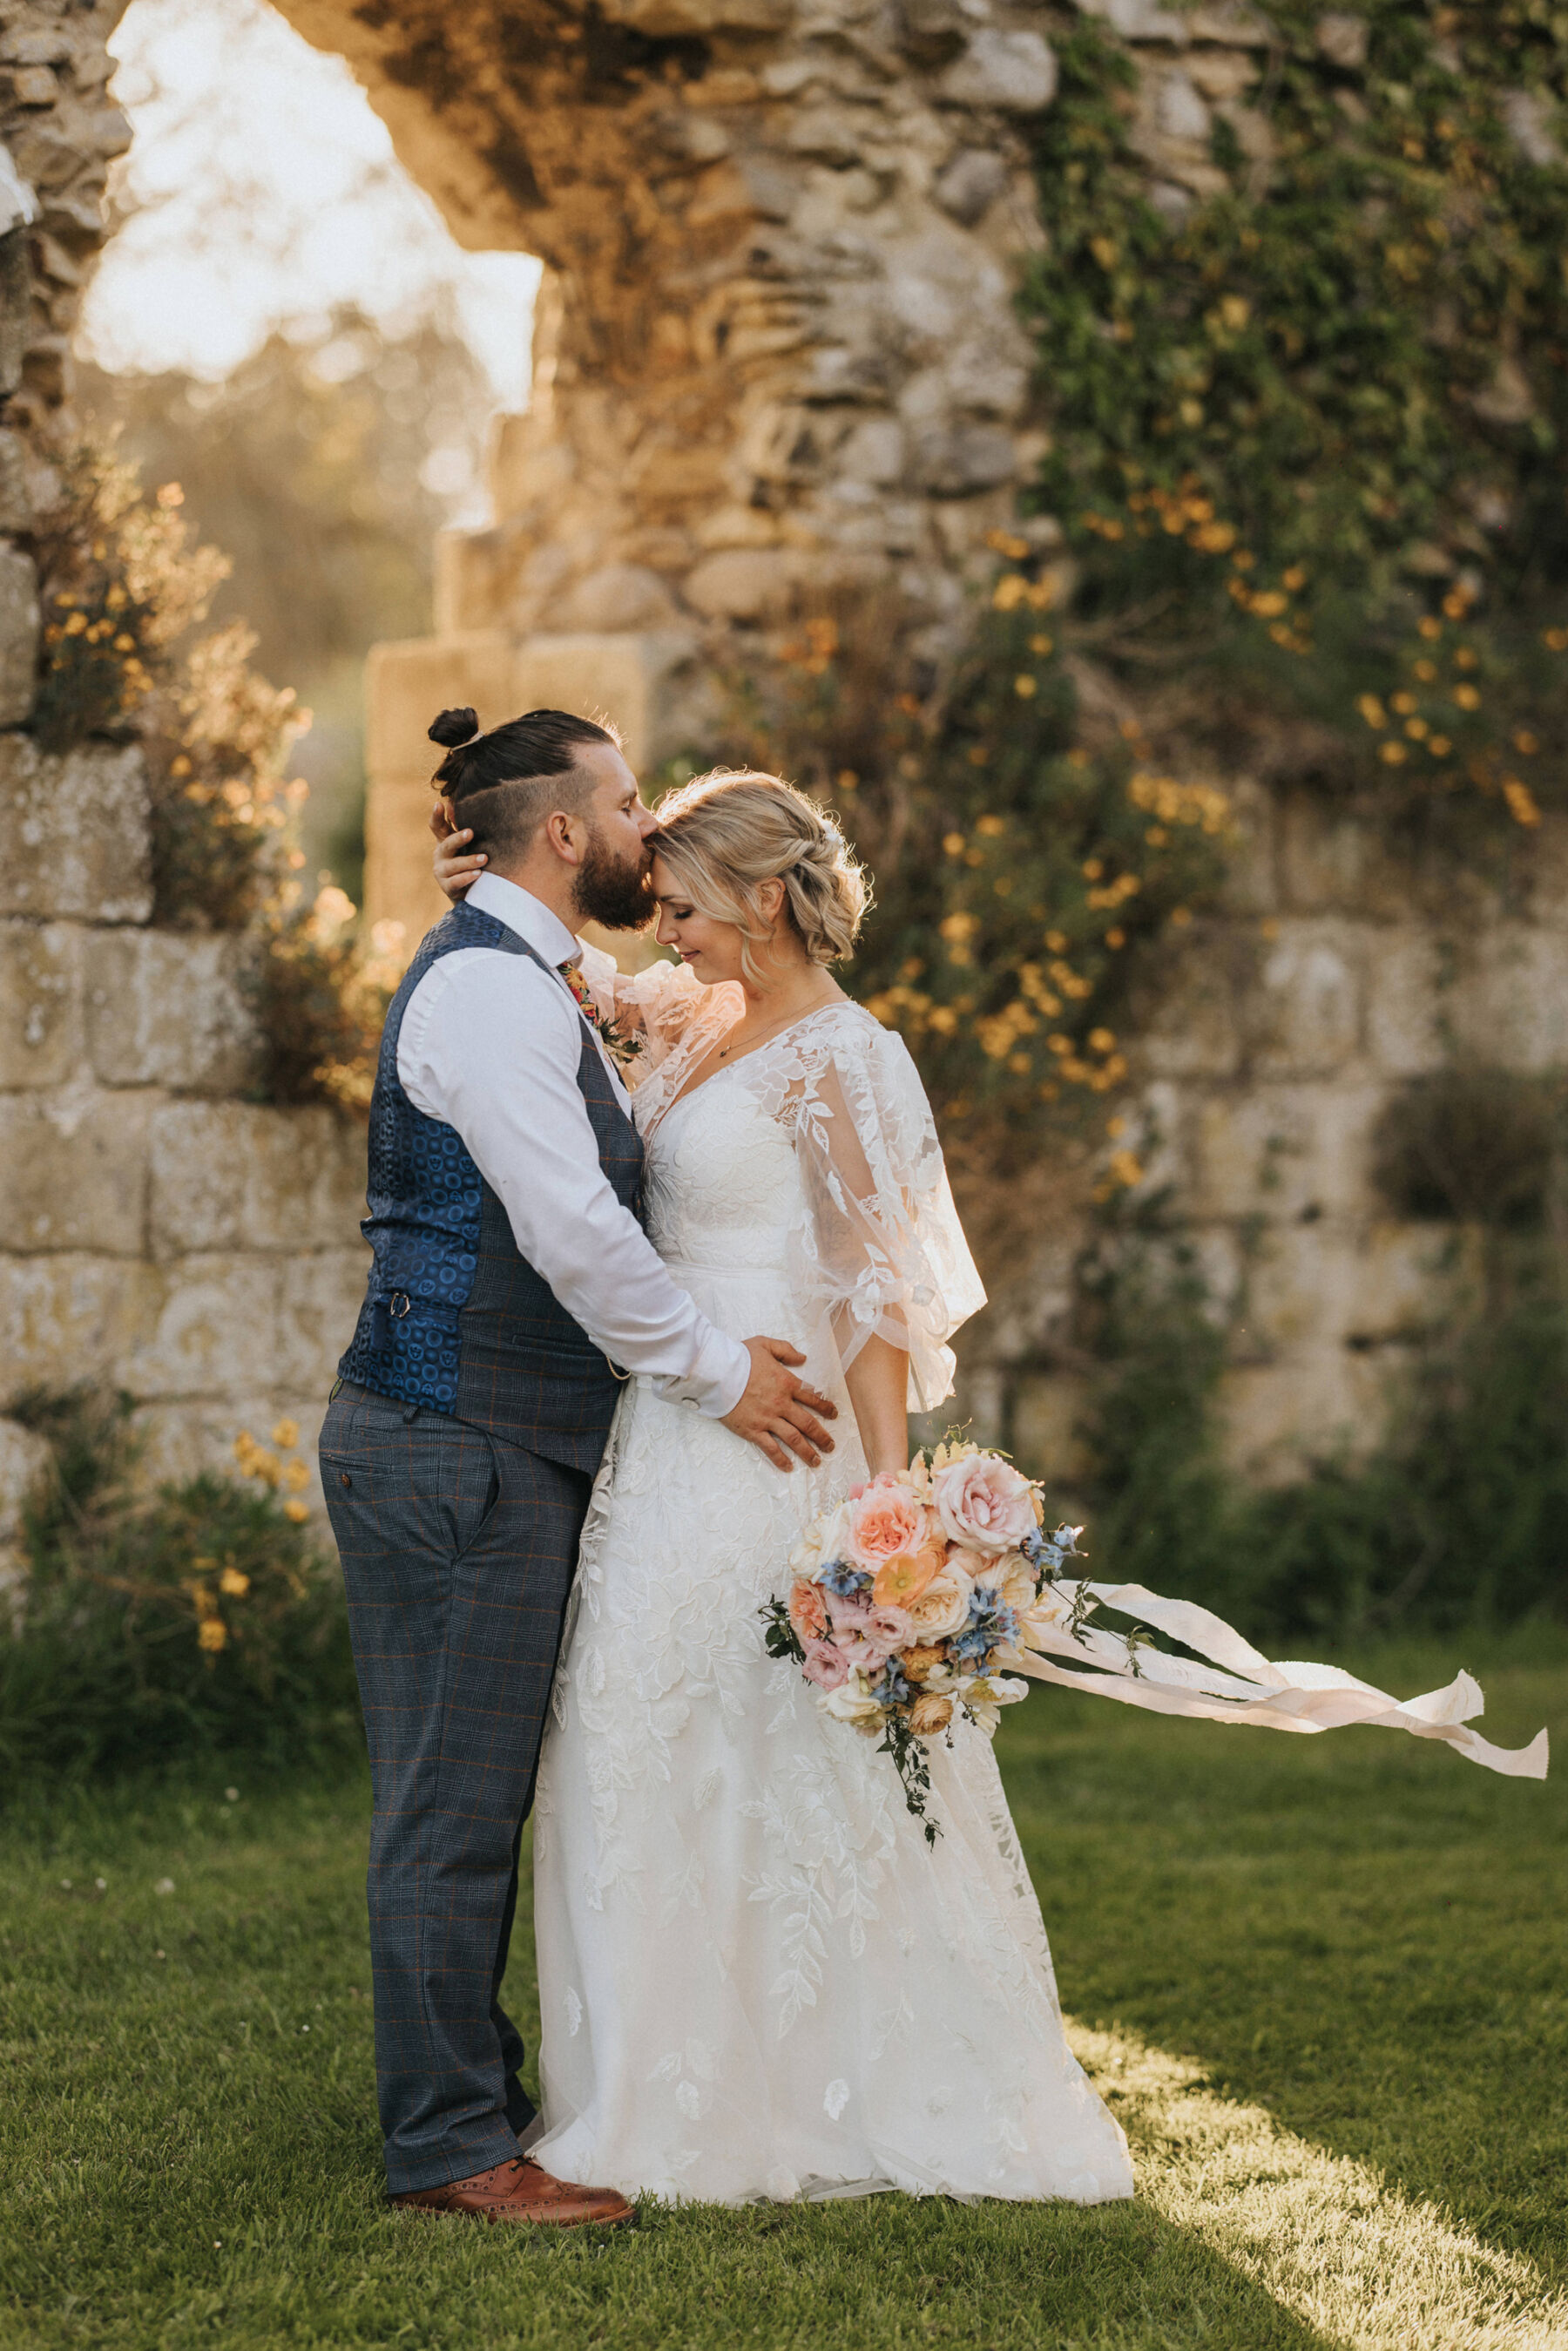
[[512, 1285]]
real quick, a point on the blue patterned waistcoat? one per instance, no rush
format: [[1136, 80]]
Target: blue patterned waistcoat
[[455, 1318]]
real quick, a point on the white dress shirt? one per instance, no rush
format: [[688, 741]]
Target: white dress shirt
[[490, 1045]]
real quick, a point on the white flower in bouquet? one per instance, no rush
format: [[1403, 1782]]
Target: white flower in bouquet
[[984, 1695], [984, 1503], [943, 1606], [853, 1700]]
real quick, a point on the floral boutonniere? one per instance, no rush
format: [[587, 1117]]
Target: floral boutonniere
[[623, 1045]]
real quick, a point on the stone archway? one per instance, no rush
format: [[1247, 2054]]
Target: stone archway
[[777, 359], [775, 355]]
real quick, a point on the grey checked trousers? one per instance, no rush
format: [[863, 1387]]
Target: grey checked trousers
[[458, 1554]]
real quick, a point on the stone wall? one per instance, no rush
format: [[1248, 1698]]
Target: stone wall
[[1270, 1039], [161, 1235], [777, 357]]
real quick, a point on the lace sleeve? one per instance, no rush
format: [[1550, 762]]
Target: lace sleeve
[[883, 1245], [658, 1005]]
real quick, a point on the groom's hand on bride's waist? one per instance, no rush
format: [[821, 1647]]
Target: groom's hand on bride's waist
[[778, 1413]]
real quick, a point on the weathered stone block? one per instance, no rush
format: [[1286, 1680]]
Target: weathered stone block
[[16, 506], [209, 1328], [623, 675], [1276, 1418], [73, 1171], [25, 1459], [19, 634], [1303, 1016], [66, 1318], [1509, 1006], [1284, 1150], [400, 886], [621, 596], [319, 1302], [42, 1039], [232, 1176], [1139, 20], [1406, 1002], [1331, 862], [171, 1008], [741, 585], [179, 1440], [74, 834], [1047, 1410], [1186, 1021], [407, 683]]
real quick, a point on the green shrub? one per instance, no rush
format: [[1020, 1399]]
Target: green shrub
[[198, 1618], [1459, 1519]]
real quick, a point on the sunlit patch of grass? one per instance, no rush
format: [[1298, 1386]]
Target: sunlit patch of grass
[[1355, 1942], [1330, 2239]]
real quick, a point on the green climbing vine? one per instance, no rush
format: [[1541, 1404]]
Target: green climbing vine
[[1307, 427]]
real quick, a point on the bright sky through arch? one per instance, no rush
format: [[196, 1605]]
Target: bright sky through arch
[[261, 189]]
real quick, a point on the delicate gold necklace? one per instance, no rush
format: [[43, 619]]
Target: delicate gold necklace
[[783, 1022]]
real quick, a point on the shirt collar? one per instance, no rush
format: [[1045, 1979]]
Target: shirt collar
[[527, 915]]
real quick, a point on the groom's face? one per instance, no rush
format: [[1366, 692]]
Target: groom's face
[[612, 878]]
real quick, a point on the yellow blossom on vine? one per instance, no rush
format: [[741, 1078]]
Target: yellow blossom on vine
[[213, 1633]]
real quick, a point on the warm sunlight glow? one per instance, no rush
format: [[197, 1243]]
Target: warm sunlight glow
[[262, 190], [1353, 2256]]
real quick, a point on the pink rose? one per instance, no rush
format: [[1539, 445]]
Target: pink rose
[[809, 1610], [885, 1520], [888, 1629], [848, 1612], [984, 1503], [824, 1664]]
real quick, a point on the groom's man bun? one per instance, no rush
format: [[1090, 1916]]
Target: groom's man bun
[[505, 782]]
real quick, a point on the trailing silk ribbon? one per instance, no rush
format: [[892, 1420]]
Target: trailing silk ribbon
[[1248, 1688]]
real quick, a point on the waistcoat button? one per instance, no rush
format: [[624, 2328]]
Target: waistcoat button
[[344, 1479]]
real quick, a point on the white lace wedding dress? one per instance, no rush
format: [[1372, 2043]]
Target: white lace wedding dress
[[756, 1979]]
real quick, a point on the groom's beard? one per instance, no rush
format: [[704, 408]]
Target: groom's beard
[[618, 894]]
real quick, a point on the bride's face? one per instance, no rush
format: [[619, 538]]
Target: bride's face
[[712, 950]]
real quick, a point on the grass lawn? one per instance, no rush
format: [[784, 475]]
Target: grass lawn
[[1323, 1980]]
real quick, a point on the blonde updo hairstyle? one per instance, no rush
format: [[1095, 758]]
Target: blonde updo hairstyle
[[724, 833]]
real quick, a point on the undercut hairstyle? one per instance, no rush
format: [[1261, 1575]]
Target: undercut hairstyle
[[505, 782]]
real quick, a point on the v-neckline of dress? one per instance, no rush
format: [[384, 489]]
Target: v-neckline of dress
[[688, 1092]]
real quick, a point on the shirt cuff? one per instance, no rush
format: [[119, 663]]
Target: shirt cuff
[[717, 1380]]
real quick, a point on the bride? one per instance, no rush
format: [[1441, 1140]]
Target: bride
[[756, 1979]]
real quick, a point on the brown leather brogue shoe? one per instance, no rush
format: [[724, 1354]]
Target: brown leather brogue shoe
[[521, 2191]]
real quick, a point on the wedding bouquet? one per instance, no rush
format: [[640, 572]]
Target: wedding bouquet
[[910, 1597]]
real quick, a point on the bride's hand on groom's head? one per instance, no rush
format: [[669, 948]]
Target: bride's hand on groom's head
[[455, 866], [777, 1411]]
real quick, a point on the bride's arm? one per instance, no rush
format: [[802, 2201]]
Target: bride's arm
[[453, 870], [878, 1381]]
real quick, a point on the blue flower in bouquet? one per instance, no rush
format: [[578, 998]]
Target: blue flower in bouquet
[[988, 1614], [892, 1688], [840, 1576], [971, 1647], [1051, 1552]]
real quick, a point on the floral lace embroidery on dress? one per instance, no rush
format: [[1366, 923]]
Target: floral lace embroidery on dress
[[755, 1979]]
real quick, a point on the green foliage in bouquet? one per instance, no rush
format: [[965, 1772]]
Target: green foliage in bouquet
[[200, 1617]]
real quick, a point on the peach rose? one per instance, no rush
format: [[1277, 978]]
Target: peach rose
[[918, 1661], [808, 1610], [943, 1607], [903, 1578], [984, 1503], [883, 1522], [927, 1715]]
